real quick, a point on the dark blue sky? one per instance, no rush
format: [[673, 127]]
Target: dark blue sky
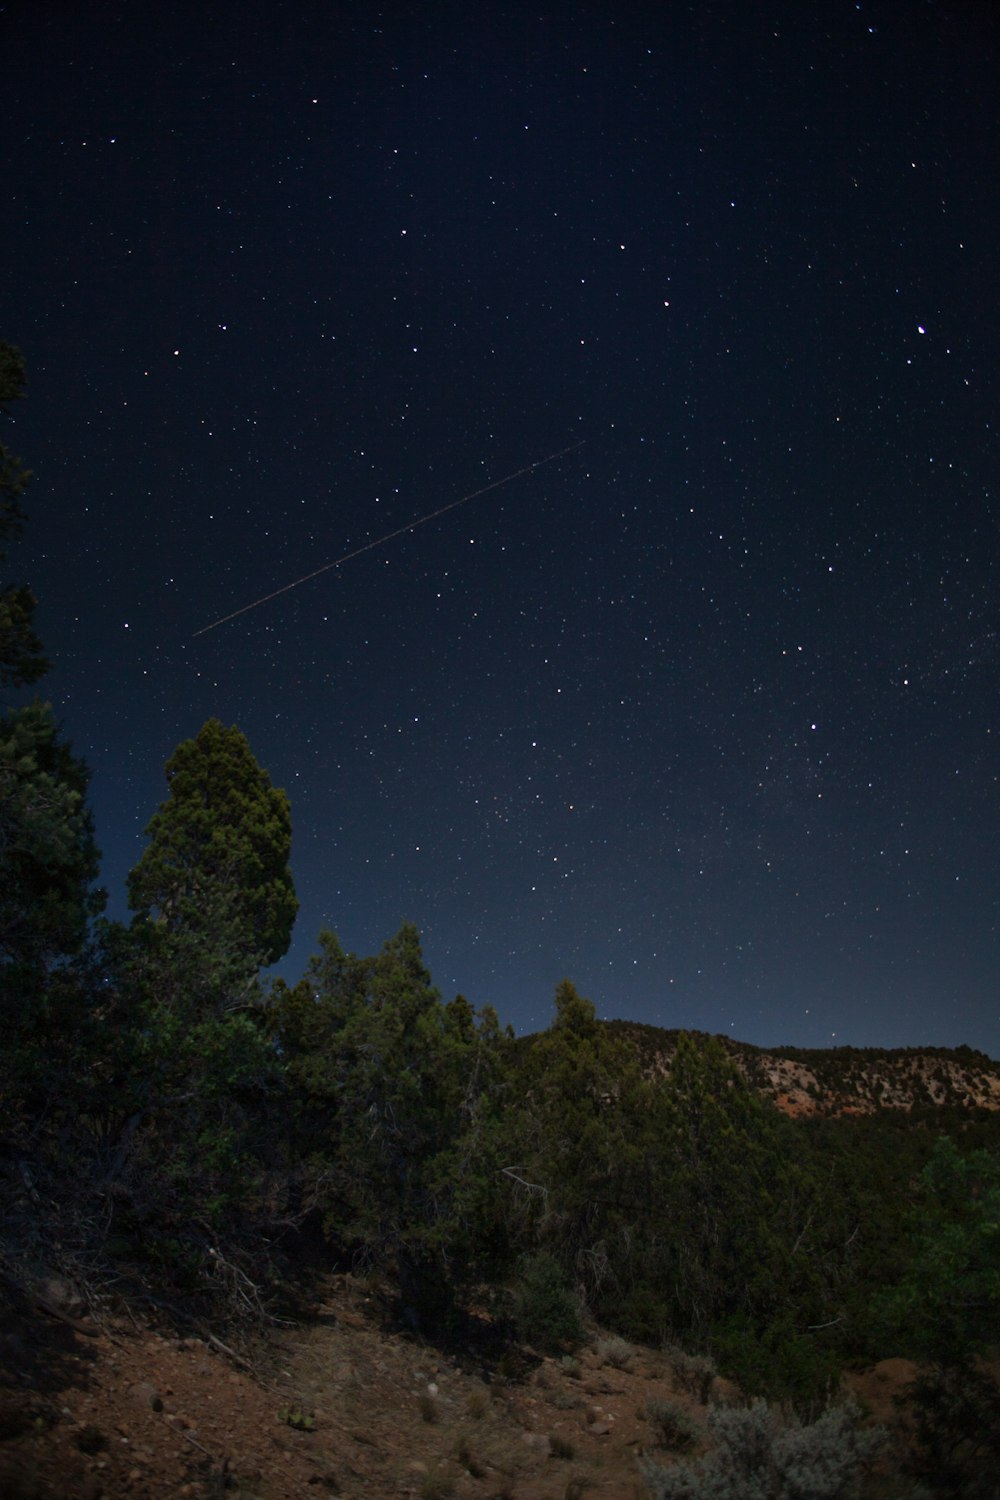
[[703, 715]]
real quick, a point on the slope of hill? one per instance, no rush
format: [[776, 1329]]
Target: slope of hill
[[335, 1405], [842, 1080]]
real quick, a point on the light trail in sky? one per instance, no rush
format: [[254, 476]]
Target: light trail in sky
[[389, 536]]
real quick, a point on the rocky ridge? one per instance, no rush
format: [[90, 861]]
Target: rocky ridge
[[842, 1080]]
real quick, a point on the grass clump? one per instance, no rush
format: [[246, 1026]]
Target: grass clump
[[560, 1448], [428, 1406], [478, 1405], [468, 1460], [437, 1487], [565, 1400]]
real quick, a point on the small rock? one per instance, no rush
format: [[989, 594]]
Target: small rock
[[63, 1296]]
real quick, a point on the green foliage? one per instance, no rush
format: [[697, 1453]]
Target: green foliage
[[615, 1351], [688, 1207], [694, 1373], [956, 1411], [757, 1458], [394, 1100], [947, 1306], [570, 1139], [945, 1309], [545, 1309], [293, 1416], [48, 863], [181, 1078], [48, 860], [219, 848], [671, 1426], [21, 659], [778, 1360]]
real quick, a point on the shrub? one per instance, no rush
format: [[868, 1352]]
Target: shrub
[[671, 1426], [545, 1308], [694, 1373], [615, 1352], [957, 1413], [756, 1458], [777, 1362]]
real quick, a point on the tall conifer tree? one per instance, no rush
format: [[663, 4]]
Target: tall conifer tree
[[216, 867]]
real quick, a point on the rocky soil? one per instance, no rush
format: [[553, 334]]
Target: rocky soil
[[333, 1406]]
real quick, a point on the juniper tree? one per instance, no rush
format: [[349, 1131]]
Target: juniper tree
[[48, 859], [214, 880], [214, 903], [392, 1106]]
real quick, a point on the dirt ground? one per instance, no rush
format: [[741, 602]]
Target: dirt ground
[[332, 1407]]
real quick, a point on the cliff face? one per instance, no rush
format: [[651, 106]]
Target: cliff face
[[843, 1080]]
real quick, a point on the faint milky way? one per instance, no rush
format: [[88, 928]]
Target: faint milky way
[[705, 717]]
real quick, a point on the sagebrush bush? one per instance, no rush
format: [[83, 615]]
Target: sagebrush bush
[[615, 1351], [671, 1426], [694, 1373], [757, 1458]]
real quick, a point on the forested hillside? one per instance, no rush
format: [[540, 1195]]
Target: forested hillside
[[842, 1080]]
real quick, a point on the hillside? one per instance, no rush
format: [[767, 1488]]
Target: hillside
[[336, 1404], [842, 1080]]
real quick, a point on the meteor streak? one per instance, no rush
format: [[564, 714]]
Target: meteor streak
[[390, 536]]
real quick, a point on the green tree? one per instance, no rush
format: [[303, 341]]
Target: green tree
[[215, 874], [21, 658], [572, 1137], [947, 1306], [196, 1152], [392, 1101], [48, 859], [946, 1311]]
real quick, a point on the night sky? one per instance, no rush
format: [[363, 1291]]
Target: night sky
[[703, 714]]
